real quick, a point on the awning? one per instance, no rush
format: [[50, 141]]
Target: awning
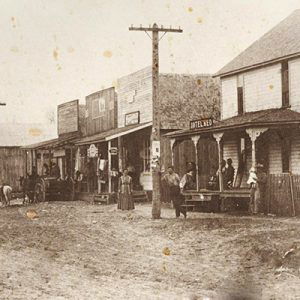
[[111, 134], [268, 118], [126, 130], [51, 144]]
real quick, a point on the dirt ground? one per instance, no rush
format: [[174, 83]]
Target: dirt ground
[[76, 250]]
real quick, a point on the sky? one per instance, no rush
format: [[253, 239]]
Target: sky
[[60, 50]]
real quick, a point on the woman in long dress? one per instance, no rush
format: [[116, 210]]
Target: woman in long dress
[[125, 192]]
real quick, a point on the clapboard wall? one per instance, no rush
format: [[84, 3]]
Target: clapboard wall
[[230, 150], [275, 157], [135, 95], [295, 155], [12, 166]]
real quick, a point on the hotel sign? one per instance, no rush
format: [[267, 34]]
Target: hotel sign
[[202, 123]]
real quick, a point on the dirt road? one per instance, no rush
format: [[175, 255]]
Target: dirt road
[[74, 250]]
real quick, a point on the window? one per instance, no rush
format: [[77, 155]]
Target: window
[[98, 108], [285, 84], [240, 95]]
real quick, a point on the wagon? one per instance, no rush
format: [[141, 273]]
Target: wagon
[[51, 188]]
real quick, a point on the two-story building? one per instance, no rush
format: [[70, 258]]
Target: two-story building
[[181, 97], [260, 116], [119, 123]]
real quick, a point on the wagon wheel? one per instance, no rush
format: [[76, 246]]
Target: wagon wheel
[[39, 192]]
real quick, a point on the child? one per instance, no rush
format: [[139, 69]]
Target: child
[[252, 181], [5, 191]]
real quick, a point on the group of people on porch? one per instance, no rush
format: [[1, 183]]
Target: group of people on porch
[[173, 186]]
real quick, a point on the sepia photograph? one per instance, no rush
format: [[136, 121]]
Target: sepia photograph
[[150, 150]]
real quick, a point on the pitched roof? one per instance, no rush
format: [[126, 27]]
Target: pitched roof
[[268, 117], [281, 41]]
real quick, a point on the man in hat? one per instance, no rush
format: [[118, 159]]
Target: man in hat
[[260, 195]]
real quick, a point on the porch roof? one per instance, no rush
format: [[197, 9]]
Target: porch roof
[[111, 134], [51, 144], [269, 117]]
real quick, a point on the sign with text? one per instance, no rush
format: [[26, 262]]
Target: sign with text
[[202, 123], [113, 150], [68, 117], [92, 151], [132, 118]]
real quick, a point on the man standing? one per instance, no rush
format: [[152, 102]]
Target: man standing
[[257, 181], [172, 181], [260, 195], [229, 174]]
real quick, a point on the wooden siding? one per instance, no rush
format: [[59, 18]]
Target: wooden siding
[[279, 194], [107, 119], [294, 84], [82, 120], [229, 97], [230, 150], [182, 98], [135, 94], [275, 158], [283, 194], [295, 155], [187, 97], [262, 88], [12, 166]]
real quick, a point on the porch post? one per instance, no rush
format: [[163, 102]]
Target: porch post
[[218, 137], [120, 153], [26, 157], [35, 160], [196, 139], [71, 163], [109, 166], [31, 161], [172, 142], [42, 161], [254, 133]]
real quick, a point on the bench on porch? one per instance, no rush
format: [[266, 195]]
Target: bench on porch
[[204, 200], [216, 201]]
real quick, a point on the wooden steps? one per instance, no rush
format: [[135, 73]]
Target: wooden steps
[[105, 198]]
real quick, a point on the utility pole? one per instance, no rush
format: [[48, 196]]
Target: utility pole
[[155, 135]]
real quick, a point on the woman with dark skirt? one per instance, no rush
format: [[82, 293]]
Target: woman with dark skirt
[[125, 192]]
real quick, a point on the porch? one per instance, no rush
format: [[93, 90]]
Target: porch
[[270, 137]]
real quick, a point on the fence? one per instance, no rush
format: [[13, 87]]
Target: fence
[[283, 194], [12, 166]]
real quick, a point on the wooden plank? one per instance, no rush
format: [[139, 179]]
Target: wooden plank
[[296, 190]]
